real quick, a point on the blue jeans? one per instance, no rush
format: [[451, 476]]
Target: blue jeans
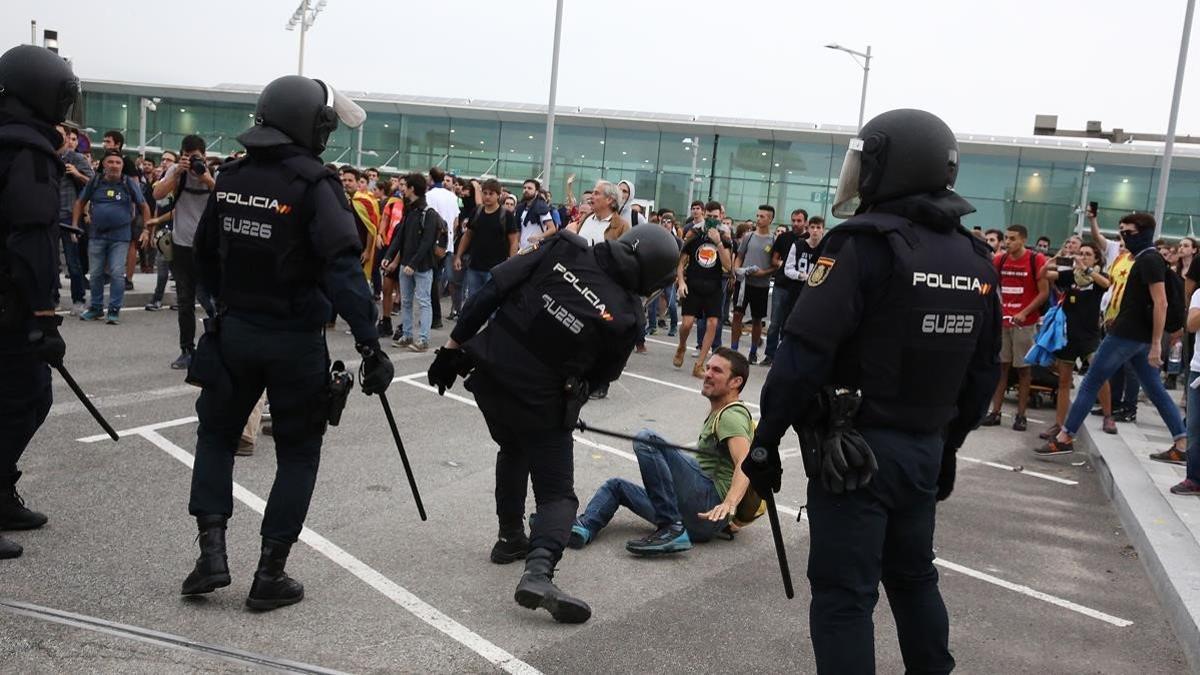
[[1193, 429], [677, 490], [1113, 353], [672, 309], [420, 284], [473, 281], [782, 300], [107, 260], [74, 267]]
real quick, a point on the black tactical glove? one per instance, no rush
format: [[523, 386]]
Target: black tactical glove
[[376, 372], [945, 483], [47, 343], [847, 462], [447, 365], [764, 468]]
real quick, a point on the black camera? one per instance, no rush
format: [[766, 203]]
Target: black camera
[[198, 166]]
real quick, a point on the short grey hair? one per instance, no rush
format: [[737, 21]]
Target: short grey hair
[[609, 191]]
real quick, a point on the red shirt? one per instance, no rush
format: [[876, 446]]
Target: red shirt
[[1018, 284]]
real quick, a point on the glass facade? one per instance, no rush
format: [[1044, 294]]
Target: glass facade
[[740, 167]]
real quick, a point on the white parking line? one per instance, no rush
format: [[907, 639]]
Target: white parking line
[[390, 589], [1021, 470], [975, 574]]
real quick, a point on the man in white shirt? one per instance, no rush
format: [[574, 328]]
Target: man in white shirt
[[446, 204], [605, 199]]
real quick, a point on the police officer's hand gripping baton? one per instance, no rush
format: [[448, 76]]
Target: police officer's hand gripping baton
[[412, 482], [62, 370], [759, 456]]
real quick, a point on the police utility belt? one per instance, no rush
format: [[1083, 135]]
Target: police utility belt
[[208, 371], [834, 452]]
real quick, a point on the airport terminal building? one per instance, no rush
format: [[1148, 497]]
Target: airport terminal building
[[1035, 181]]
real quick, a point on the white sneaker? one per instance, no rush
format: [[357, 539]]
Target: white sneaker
[[77, 309]]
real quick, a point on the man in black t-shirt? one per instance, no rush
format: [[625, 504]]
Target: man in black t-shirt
[[703, 261], [783, 296], [490, 238], [1136, 337]]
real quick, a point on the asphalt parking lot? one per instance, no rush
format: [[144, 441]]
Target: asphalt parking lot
[[1036, 572]]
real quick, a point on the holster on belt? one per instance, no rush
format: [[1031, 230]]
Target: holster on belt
[[834, 452], [575, 393], [207, 369], [340, 385]]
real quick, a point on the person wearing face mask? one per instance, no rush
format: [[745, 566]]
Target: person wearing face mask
[[1134, 337]]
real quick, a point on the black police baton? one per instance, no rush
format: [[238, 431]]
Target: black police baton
[[759, 455], [412, 482], [62, 370], [584, 426]]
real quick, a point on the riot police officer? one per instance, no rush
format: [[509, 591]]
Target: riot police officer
[[564, 317], [37, 89], [278, 248], [888, 361]]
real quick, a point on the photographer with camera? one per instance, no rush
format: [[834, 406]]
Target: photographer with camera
[[189, 182]]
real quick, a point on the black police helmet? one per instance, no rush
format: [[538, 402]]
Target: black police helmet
[[645, 258], [40, 79], [300, 107], [906, 152]]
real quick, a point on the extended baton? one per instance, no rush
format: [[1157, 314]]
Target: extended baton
[[759, 456], [584, 426], [62, 370], [412, 482]]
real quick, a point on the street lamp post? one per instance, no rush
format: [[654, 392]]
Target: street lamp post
[[553, 93], [1164, 176], [695, 145], [304, 17], [144, 105], [865, 64]]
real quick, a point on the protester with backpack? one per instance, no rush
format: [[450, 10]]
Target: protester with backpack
[[1151, 305], [412, 252], [1024, 287], [115, 200], [688, 497]]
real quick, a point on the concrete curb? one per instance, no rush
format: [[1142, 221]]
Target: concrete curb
[[1166, 547]]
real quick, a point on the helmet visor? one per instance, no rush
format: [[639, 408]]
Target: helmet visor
[[847, 199]]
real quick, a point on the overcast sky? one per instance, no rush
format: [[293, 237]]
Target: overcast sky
[[984, 67]]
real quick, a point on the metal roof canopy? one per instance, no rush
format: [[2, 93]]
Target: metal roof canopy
[[502, 111]]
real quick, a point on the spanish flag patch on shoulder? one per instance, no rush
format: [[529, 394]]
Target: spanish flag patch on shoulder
[[821, 271]]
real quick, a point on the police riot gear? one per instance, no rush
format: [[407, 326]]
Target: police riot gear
[[34, 83], [40, 79], [644, 258], [901, 306], [300, 110], [901, 152], [560, 318], [278, 245]]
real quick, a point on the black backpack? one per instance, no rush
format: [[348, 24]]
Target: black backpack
[[1176, 303]]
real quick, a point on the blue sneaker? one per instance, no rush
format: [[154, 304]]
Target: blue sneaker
[[580, 536], [113, 317], [93, 314], [671, 539]]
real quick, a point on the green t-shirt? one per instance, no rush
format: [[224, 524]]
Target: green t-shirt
[[735, 421]]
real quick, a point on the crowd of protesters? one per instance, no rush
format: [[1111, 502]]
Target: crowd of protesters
[[431, 235]]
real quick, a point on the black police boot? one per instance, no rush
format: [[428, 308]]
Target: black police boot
[[9, 549], [537, 589], [272, 587], [385, 326], [212, 567], [511, 545], [14, 515]]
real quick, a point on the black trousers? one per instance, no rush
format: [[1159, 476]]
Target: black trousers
[[881, 533], [547, 457], [187, 292], [25, 399], [293, 368]]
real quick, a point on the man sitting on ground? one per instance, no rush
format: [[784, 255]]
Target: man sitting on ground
[[686, 496]]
